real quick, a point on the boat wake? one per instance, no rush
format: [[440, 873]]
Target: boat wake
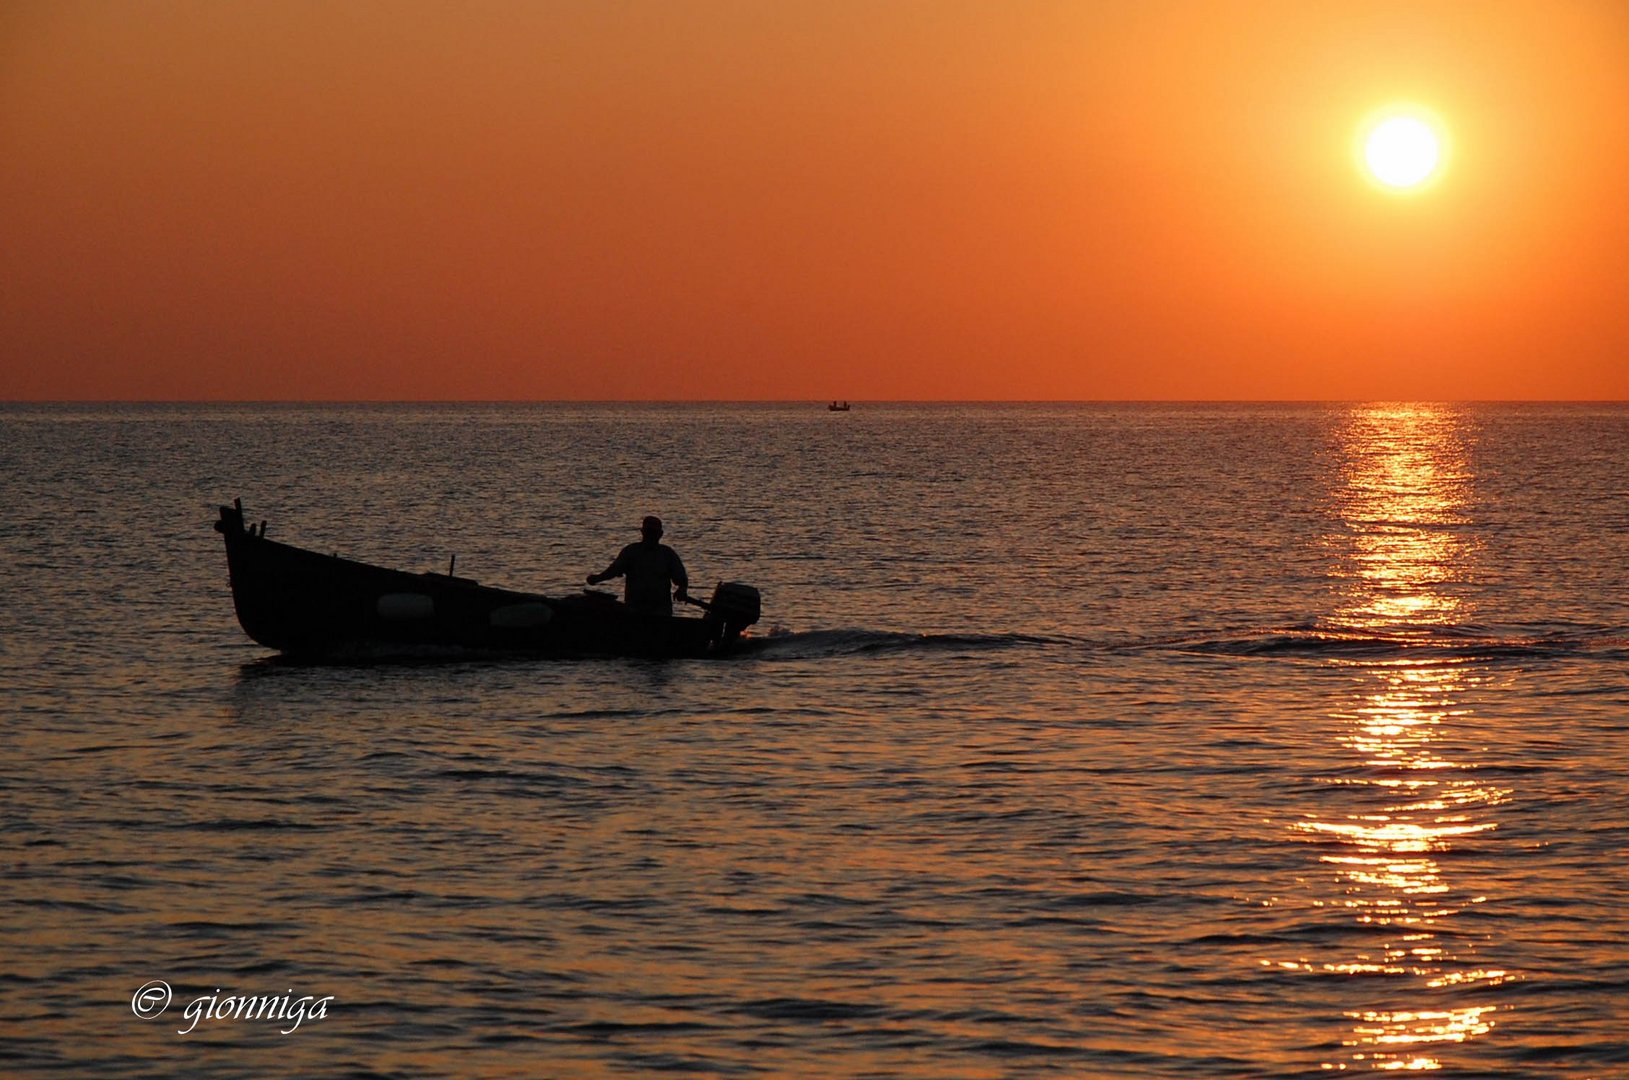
[[1458, 644], [825, 644], [1452, 644]]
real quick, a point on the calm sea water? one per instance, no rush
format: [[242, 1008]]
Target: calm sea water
[[1077, 740]]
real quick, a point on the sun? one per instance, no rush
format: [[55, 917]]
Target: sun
[[1403, 148]]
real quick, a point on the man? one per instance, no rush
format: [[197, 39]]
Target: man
[[647, 567]]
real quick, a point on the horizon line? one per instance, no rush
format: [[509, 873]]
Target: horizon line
[[6, 402]]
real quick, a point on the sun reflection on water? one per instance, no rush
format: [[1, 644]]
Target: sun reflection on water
[[1405, 802]]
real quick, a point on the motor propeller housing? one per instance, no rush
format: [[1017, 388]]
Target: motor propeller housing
[[737, 605]]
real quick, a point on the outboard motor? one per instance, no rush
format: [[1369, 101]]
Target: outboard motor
[[736, 605]]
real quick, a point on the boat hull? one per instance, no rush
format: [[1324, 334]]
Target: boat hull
[[311, 605]]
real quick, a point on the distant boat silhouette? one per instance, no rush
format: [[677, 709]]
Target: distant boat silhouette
[[835, 407]]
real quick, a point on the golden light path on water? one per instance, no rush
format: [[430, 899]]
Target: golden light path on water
[[1403, 493]]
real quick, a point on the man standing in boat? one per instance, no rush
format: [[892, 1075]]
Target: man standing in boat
[[647, 568]]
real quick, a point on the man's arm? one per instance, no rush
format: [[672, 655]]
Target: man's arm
[[616, 569], [677, 572]]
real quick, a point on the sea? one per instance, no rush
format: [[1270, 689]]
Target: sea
[[1076, 740]]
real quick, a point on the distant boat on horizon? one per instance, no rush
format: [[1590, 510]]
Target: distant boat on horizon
[[835, 407]]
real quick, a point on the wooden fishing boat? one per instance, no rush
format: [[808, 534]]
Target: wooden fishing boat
[[321, 606]]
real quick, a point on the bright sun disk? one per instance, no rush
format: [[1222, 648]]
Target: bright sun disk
[[1402, 151]]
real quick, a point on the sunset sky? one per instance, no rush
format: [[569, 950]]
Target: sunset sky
[[808, 199]]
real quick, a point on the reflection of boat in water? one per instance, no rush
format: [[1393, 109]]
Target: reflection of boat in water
[[838, 407], [312, 605]]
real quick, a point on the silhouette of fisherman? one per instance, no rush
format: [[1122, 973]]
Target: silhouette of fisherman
[[646, 569]]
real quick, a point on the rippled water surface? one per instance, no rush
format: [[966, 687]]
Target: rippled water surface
[[1077, 740]]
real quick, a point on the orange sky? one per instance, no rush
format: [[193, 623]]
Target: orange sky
[[783, 199]]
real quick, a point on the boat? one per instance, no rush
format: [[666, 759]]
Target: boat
[[309, 605], [835, 407]]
